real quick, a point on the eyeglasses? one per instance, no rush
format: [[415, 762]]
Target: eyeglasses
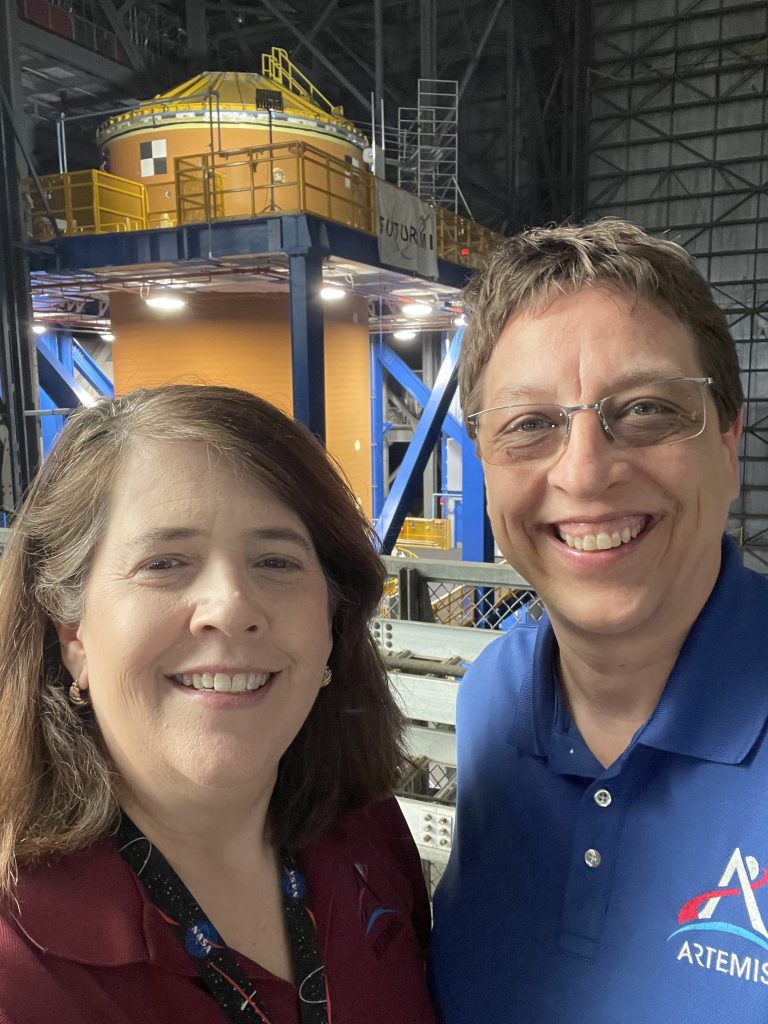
[[662, 412]]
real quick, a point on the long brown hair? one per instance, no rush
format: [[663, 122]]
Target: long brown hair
[[56, 791]]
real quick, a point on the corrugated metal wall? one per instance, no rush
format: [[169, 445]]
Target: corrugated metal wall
[[245, 341], [677, 143]]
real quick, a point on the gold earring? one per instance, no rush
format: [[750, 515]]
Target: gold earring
[[327, 676], [77, 696]]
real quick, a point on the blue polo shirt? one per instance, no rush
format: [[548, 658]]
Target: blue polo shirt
[[636, 894]]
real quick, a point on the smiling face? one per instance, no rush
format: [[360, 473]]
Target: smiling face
[[666, 505], [206, 625]]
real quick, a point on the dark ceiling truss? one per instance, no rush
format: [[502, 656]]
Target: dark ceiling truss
[[519, 131], [114, 16]]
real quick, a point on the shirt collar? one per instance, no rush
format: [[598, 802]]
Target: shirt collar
[[537, 702], [715, 703], [114, 923]]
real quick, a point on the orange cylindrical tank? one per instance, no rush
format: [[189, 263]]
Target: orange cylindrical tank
[[214, 122], [244, 340]]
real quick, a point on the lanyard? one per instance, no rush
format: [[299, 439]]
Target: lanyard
[[219, 970]]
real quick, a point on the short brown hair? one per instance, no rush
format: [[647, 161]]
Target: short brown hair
[[56, 792], [530, 269]]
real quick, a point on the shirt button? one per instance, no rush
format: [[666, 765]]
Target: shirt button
[[603, 798], [592, 858]]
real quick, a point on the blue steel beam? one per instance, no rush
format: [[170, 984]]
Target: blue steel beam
[[423, 441], [57, 382], [92, 372], [307, 359], [476, 537], [377, 426], [404, 375], [203, 243]]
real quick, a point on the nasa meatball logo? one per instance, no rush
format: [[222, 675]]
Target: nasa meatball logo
[[723, 928], [200, 939]]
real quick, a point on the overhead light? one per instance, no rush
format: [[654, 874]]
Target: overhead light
[[331, 293], [107, 336], [39, 328], [416, 309], [165, 303], [460, 320], [407, 334]]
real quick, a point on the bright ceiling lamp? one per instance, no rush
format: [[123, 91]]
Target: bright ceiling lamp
[[164, 302], [331, 293], [407, 334], [107, 336], [416, 309], [39, 328], [460, 320]]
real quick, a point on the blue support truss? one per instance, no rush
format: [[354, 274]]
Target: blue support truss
[[59, 356], [307, 348], [476, 537], [57, 380], [405, 376], [377, 426], [91, 371], [472, 525], [425, 435]]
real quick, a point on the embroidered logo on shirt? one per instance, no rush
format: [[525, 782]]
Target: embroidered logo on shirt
[[381, 924], [735, 899]]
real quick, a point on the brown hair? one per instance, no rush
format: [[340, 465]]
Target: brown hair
[[529, 269], [57, 793]]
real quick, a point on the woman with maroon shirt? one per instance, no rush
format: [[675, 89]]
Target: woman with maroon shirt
[[199, 739]]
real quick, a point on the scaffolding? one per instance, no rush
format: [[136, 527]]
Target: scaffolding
[[428, 143]]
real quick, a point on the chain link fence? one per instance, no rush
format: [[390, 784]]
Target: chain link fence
[[457, 594]]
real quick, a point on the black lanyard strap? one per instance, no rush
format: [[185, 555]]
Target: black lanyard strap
[[219, 969]]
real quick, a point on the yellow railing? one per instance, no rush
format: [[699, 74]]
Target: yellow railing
[[426, 533], [461, 240], [288, 177], [87, 202], [199, 192], [280, 69], [284, 178]]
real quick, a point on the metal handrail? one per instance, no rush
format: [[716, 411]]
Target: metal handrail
[[278, 67]]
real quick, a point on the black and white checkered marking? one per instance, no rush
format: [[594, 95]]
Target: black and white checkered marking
[[153, 158]]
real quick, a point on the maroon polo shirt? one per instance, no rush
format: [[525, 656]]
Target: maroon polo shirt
[[86, 945]]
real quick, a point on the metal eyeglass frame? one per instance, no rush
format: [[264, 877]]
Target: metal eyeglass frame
[[597, 407]]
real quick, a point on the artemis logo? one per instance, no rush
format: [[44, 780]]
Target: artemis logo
[[718, 910]]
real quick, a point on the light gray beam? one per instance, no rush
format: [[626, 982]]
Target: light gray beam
[[378, 52], [388, 90], [197, 34], [237, 32], [132, 52], [480, 47], [329, 8], [428, 39]]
